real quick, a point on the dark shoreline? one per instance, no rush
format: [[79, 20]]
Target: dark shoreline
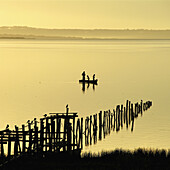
[[117, 159]]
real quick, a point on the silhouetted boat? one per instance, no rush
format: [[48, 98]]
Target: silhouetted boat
[[89, 81]]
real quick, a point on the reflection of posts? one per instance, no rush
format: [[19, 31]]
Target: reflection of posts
[[94, 87]]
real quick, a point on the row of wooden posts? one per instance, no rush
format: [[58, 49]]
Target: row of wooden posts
[[58, 132]]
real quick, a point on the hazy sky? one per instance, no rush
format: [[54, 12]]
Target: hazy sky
[[151, 14]]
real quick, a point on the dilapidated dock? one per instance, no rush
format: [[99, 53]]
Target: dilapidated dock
[[66, 132]]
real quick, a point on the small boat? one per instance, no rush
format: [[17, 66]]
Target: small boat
[[89, 81]]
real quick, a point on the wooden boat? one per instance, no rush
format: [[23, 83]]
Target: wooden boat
[[89, 81]]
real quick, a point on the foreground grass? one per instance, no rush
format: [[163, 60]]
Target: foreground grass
[[117, 159]]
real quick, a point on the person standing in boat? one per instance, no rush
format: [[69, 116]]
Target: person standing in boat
[[93, 77], [83, 74], [88, 77]]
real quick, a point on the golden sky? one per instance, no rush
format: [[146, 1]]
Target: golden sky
[[149, 14]]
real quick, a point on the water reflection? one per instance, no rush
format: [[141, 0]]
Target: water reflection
[[84, 84]]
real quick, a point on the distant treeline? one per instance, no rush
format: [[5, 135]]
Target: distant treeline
[[117, 159], [81, 34]]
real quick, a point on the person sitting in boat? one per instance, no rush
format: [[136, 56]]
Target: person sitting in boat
[[83, 74], [88, 78], [93, 77]]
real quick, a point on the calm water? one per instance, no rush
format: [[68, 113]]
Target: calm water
[[39, 77]]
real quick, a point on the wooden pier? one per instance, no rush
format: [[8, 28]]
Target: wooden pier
[[66, 132]]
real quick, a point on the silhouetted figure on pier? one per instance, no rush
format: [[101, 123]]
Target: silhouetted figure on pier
[[67, 108], [7, 127]]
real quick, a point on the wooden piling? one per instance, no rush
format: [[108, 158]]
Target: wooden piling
[[9, 144], [129, 112], [104, 124], [74, 133], [69, 137], [109, 120], [117, 118], [114, 119], [41, 136], [90, 129], [2, 146], [24, 139], [78, 134], [16, 142], [100, 125], [81, 133], [127, 104], [30, 137], [121, 116], [132, 117], [124, 115], [52, 134]]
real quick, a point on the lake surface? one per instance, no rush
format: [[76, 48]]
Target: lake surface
[[39, 77]]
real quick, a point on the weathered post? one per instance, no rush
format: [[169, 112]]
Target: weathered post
[[114, 120], [117, 118], [121, 115], [129, 112], [52, 134], [100, 125], [69, 137], [24, 139], [81, 133], [74, 133], [132, 117], [124, 115], [96, 125], [90, 129], [58, 134], [127, 103], [78, 134], [109, 120], [2, 147], [41, 136], [86, 128], [104, 124], [16, 142], [9, 144], [30, 137], [46, 134]]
